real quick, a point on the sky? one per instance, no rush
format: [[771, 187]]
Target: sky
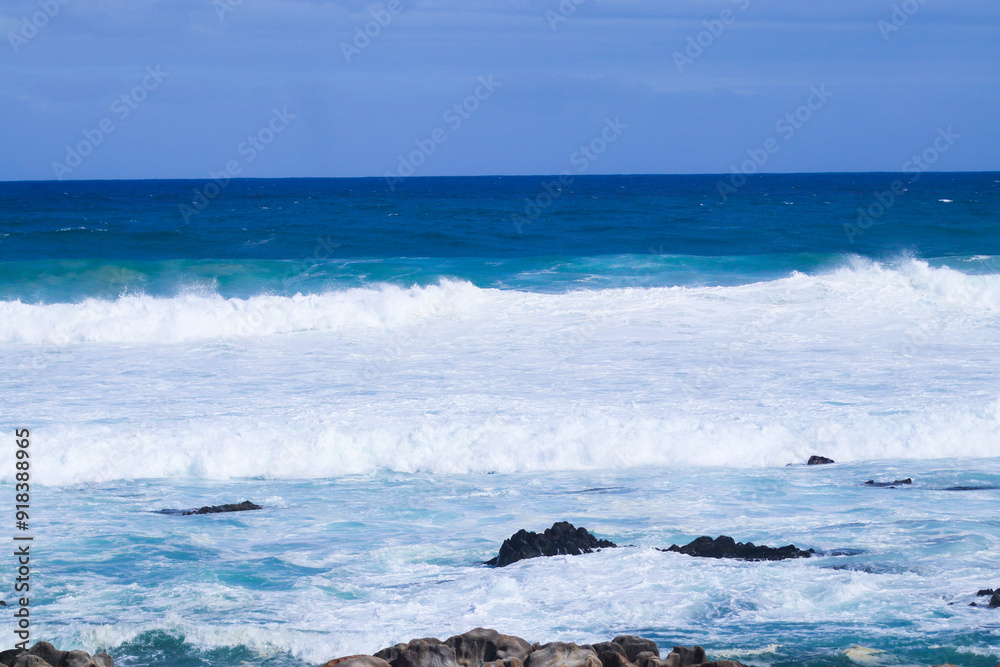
[[97, 89]]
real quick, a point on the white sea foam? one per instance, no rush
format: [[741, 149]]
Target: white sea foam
[[878, 288], [866, 361]]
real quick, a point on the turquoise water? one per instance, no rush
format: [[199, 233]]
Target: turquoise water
[[403, 379], [347, 565]]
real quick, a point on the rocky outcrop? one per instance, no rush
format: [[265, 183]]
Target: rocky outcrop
[[726, 547], [818, 460], [44, 654], [562, 538], [889, 485], [245, 506], [993, 594], [483, 647]]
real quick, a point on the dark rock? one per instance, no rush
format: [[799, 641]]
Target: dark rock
[[8, 657], [689, 655], [245, 506], [560, 654], [506, 662], [995, 601], [985, 591], [726, 547], [481, 645], [561, 538], [635, 645], [891, 485], [357, 661], [818, 460], [971, 488]]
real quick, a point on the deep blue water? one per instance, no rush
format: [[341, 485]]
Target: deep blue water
[[404, 378], [778, 221]]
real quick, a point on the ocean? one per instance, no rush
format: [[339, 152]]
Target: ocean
[[405, 374]]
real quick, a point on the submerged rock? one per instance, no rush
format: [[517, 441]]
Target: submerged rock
[[44, 654], [971, 488], [726, 547], [245, 506], [562, 538], [890, 485], [818, 460]]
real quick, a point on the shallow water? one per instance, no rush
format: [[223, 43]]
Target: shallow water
[[335, 567]]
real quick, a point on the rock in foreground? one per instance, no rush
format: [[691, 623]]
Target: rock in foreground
[[44, 654], [726, 547], [488, 648], [562, 538], [818, 460]]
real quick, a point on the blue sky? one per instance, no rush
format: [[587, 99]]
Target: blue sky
[[183, 88]]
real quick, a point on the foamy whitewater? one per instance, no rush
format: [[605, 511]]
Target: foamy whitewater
[[400, 414]]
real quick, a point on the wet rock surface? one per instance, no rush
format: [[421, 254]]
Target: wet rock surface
[[482, 647], [245, 506], [889, 485], [562, 538], [44, 654], [726, 547]]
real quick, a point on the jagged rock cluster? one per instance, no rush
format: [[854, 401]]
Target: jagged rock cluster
[[562, 538], [565, 538], [488, 648], [726, 547], [44, 654], [993, 594]]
